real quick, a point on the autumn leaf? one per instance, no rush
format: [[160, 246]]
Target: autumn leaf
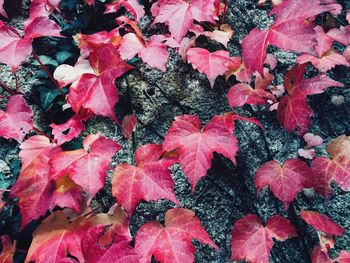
[[97, 91], [173, 240], [86, 167], [322, 223], [242, 93], [8, 249], [129, 125], [180, 14], [2, 10], [336, 168], [327, 58], [17, 121], [285, 181], [288, 32], [195, 146], [251, 241], [149, 180], [15, 49], [131, 6], [319, 256], [294, 112], [118, 250], [56, 237], [211, 64]]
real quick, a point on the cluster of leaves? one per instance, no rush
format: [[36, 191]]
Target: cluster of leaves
[[54, 178]]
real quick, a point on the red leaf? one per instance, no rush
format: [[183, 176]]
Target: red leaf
[[344, 257], [129, 125], [341, 35], [288, 32], [293, 111], [116, 251], [17, 121], [319, 256], [8, 249], [326, 58], [55, 238], [70, 129], [154, 53], [211, 64], [149, 180], [251, 241], [86, 167], [40, 27], [131, 6], [195, 146], [173, 240], [179, 14], [241, 94], [285, 181], [337, 168], [322, 223], [13, 49], [97, 92]]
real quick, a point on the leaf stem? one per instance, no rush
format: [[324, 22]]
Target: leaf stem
[[5, 87], [225, 12], [17, 82], [43, 133], [46, 70]]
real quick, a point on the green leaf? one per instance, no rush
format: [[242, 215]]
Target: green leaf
[[47, 96], [46, 60], [62, 56]]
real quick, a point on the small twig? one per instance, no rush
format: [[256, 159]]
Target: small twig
[[5, 87], [46, 70], [43, 133], [225, 12], [17, 82], [4, 190]]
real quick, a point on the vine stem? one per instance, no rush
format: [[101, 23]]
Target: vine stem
[[4, 190], [5, 87], [225, 11], [17, 82], [43, 133], [46, 70]]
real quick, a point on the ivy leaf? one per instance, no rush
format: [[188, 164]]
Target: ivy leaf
[[294, 112], [149, 180], [173, 240], [2, 10], [118, 250], [319, 256], [211, 64], [97, 91], [47, 96], [195, 146], [8, 249], [322, 223], [86, 167], [17, 121], [251, 241], [128, 126], [288, 32], [131, 6], [180, 14], [336, 168], [56, 237], [285, 181]]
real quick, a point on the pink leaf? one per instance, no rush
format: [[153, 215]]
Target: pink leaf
[[313, 140], [17, 121], [40, 27], [337, 168], [2, 10], [211, 64], [179, 14], [344, 256], [251, 241], [86, 167], [195, 146], [319, 256], [132, 6], [322, 223], [149, 180], [118, 250], [173, 240], [285, 181], [129, 125]]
